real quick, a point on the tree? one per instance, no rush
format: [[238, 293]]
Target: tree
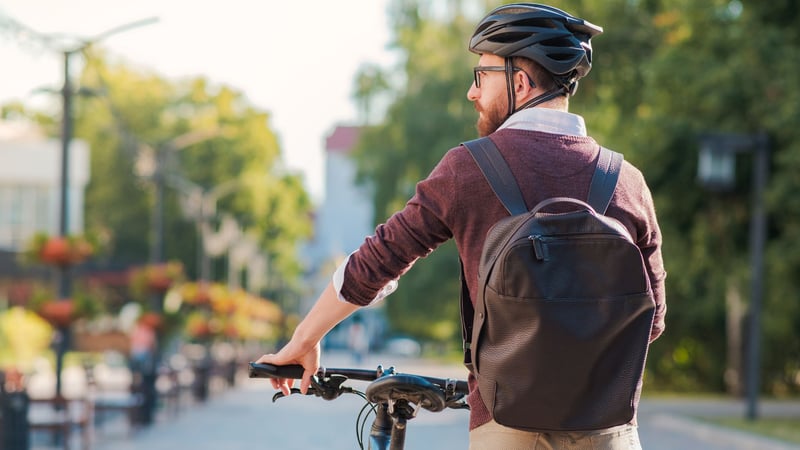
[[429, 115], [135, 111], [664, 71]]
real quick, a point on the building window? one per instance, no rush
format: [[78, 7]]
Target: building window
[[26, 209]]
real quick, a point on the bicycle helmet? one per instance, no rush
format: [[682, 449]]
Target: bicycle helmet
[[549, 36]]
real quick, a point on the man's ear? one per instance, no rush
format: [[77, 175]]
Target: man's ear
[[522, 84], [522, 88]]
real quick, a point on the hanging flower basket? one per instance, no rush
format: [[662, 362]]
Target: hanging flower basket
[[59, 313], [156, 278], [62, 312], [60, 251]]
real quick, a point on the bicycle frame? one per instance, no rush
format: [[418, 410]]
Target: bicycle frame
[[385, 434]]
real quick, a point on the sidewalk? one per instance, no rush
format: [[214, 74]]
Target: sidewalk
[[245, 418], [672, 423]]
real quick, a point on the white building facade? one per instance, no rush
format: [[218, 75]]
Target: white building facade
[[343, 220], [30, 184], [345, 216]]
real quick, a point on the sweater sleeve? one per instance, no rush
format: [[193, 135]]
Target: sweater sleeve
[[649, 242], [634, 207], [408, 235]]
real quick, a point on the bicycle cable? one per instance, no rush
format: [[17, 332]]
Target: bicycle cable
[[363, 417]]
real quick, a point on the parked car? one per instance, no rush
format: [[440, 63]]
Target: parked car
[[403, 346]]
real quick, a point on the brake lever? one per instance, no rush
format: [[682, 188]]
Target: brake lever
[[293, 390], [328, 388]]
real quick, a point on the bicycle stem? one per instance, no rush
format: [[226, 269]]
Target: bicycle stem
[[381, 432]]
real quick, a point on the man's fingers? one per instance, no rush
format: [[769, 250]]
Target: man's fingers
[[266, 359], [286, 386], [282, 384], [305, 382]]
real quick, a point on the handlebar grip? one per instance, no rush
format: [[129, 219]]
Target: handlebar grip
[[262, 370]]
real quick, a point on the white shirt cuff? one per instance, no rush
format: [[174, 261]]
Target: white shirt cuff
[[338, 282]]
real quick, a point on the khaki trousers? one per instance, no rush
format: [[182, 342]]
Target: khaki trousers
[[493, 436]]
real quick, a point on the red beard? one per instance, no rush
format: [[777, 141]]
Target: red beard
[[489, 120]]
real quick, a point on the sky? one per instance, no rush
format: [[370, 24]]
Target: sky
[[294, 59]]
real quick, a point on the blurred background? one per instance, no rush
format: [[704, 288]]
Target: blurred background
[[202, 168]]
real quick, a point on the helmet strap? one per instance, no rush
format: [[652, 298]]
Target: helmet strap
[[512, 97], [547, 96]]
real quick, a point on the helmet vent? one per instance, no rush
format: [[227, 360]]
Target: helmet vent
[[538, 23], [561, 56], [567, 44], [509, 38]]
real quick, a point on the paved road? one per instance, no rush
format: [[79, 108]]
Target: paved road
[[669, 425], [245, 418]]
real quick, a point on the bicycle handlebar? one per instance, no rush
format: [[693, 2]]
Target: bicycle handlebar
[[295, 371], [394, 397], [262, 370]]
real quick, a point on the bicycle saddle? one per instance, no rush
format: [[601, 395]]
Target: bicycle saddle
[[411, 388]]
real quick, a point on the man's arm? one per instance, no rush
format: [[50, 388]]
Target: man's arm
[[304, 347]]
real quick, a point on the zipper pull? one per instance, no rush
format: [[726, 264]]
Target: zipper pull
[[539, 247]]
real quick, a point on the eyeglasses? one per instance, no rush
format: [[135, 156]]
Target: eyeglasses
[[478, 69]]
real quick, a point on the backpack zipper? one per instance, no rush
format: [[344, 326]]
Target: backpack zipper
[[540, 241]]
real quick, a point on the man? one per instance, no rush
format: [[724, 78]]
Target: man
[[531, 57]]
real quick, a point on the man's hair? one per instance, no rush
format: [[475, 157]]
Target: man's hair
[[540, 76]]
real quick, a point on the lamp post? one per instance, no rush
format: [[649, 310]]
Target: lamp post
[[716, 170], [67, 93], [202, 206], [152, 164]]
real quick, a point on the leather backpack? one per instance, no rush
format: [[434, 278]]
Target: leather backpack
[[560, 329]]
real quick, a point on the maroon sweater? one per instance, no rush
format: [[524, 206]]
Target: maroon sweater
[[455, 201]]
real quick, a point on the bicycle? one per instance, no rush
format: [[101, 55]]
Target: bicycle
[[394, 398]]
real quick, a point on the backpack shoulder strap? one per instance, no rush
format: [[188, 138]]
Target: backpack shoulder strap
[[497, 173], [467, 317], [604, 180]]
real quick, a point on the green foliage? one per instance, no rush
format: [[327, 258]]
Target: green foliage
[[430, 115], [425, 305], [207, 135], [664, 72], [201, 137]]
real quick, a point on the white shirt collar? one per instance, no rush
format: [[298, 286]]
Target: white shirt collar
[[547, 121]]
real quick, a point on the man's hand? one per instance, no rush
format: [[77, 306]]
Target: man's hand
[[304, 348], [294, 353]]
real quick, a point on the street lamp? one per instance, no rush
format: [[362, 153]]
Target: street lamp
[[716, 169], [201, 206], [67, 92], [152, 164], [66, 138]]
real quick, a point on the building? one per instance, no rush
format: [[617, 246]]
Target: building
[[343, 218], [341, 222], [30, 184], [30, 188]]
